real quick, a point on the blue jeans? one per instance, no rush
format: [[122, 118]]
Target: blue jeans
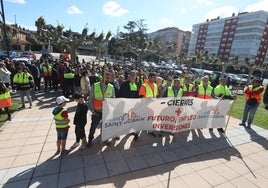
[[23, 94], [249, 112]]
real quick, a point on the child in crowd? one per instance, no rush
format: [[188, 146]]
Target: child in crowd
[[80, 120], [5, 100], [62, 124]]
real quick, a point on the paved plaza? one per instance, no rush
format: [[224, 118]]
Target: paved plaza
[[196, 158]]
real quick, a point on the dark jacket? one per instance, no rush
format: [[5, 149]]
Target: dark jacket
[[80, 117], [125, 91]]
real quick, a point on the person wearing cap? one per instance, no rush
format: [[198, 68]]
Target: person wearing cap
[[62, 124], [99, 91], [253, 95], [221, 91], [80, 120]]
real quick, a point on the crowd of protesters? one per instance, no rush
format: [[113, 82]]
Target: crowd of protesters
[[93, 83]]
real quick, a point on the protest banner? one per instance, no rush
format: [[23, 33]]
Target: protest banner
[[122, 116]]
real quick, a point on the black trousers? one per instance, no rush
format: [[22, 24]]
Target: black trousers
[[80, 132]]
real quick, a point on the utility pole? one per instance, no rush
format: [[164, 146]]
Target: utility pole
[[4, 27]]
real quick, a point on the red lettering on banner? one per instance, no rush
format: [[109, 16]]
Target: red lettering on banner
[[171, 127]]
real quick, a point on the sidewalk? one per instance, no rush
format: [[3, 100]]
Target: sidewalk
[[189, 159]]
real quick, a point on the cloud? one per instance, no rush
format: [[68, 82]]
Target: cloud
[[261, 5], [223, 12], [205, 2], [17, 1], [166, 22], [183, 10], [112, 8], [74, 10]]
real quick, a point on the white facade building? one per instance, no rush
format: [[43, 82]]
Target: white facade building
[[245, 35]]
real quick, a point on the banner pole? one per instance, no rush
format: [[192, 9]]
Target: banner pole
[[226, 125], [236, 91]]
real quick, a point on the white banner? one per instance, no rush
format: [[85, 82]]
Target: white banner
[[122, 116]]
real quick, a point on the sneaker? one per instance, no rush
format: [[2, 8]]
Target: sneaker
[[22, 107], [151, 133], [57, 152], [82, 147], [242, 124], [248, 127], [107, 142], [221, 130], [89, 144], [75, 145], [210, 129], [65, 152], [160, 134], [136, 137]]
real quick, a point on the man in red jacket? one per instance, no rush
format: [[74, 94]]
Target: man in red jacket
[[253, 98]]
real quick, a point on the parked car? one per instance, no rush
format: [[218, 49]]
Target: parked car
[[28, 54], [65, 56], [234, 79], [13, 54], [47, 56], [245, 79], [27, 61], [3, 55]]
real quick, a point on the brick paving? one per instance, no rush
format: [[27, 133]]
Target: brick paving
[[196, 158]]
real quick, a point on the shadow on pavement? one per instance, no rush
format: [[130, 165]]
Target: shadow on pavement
[[86, 167]]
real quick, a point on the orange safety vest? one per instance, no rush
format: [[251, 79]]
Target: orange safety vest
[[99, 96], [256, 96], [204, 94]]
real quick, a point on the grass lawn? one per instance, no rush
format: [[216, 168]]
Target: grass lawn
[[13, 108], [261, 116]]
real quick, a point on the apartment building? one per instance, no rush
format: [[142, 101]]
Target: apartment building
[[172, 38], [244, 34]]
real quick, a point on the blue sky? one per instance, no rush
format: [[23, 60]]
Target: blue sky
[[105, 15]]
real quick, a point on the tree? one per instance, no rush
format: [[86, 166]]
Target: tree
[[70, 42], [135, 40]]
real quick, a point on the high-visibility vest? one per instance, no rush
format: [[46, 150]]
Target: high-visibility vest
[[149, 91], [99, 96], [133, 86], [256, 96], [68, 75], [222, 90], [47, 70], [5, 100], [188, 91], [170, 92], [204, 94], [22, 79], [59, 120]]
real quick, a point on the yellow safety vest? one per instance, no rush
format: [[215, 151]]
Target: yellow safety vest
[[149, 91], [99, 96], [59, 120], [170, 92], [204, 94]]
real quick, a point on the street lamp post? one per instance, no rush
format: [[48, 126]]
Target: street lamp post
[[4, 27]]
